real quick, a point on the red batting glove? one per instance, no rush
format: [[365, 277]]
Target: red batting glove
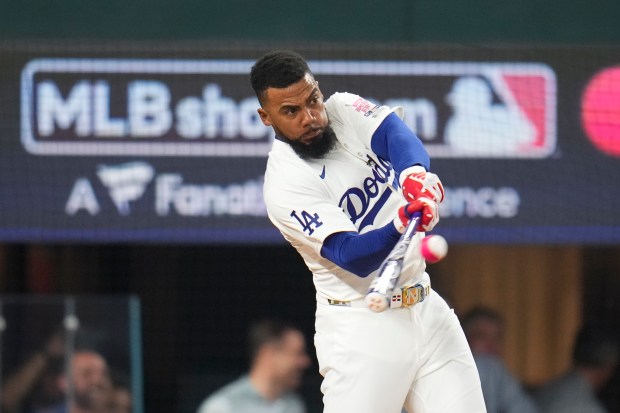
[[430, 214], [422, 184]]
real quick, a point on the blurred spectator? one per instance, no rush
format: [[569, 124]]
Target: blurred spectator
[[40, 384], [121, 400], [35, 384], [87, 389], [277, 361], [484, 329], [595, 358]]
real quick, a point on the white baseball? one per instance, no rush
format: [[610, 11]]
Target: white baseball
[[434, 248]]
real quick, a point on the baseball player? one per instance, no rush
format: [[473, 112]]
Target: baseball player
[[342, 179]]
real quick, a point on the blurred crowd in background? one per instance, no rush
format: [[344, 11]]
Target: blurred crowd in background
[[51, 381]]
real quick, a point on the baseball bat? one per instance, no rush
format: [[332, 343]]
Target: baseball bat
[[380, 292]]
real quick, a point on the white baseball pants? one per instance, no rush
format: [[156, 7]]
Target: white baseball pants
[[416, 358]]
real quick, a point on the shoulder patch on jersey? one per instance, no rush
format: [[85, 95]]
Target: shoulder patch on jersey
[[364, 106]]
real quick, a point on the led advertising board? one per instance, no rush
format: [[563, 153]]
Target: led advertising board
[[160, 149]]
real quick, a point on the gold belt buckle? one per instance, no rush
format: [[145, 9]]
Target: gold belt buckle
[[339, 303], [415, 294]]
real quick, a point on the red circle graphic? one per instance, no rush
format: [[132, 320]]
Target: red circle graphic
[[600, 110]]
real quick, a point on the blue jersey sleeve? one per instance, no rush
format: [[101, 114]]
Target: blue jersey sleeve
[[394, 141], [360, 254]]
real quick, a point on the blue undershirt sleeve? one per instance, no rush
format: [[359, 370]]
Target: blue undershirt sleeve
[[360, 254], [394, 141]]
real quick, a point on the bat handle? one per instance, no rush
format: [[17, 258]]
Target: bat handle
[[377, 302], [380, 293], [412, 227]]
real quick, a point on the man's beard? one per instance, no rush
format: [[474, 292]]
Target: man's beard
[[318, 148]]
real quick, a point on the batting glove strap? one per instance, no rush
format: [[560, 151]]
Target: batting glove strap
[[422, 184], [411, 170]]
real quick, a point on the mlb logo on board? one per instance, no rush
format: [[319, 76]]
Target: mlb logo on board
[[462, 109], [502, 111]]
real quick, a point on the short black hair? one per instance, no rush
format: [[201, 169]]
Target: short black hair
[[279, 69], [595, 346], [480, 314], [265, 332]]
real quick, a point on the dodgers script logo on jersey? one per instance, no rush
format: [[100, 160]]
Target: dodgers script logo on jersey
[[361, 204], [357, 202]]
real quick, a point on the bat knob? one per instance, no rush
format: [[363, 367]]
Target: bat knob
[[376, 302]]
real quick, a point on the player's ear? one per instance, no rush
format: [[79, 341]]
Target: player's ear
[[264, 117]]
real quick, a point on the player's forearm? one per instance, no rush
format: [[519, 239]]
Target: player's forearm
[[394, 141], [360, 254]]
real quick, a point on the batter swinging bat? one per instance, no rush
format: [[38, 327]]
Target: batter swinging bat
[[380, 292]]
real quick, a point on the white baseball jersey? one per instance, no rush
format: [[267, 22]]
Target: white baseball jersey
[[351, 189], [415, 358]]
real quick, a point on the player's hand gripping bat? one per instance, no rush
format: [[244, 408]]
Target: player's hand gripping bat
[[380, 292]]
